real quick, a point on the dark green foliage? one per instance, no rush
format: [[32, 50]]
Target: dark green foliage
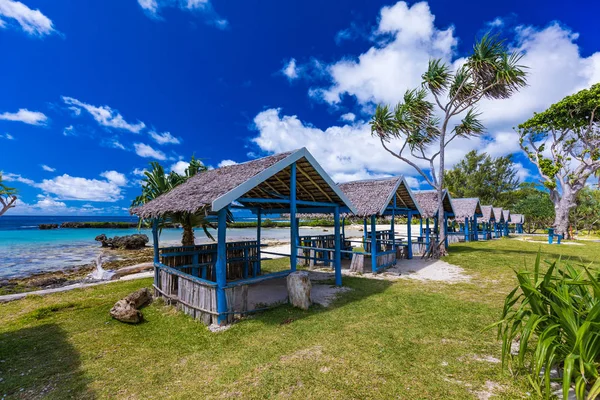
[[481, 176], [586, 215], [556, 318], [535, 205]]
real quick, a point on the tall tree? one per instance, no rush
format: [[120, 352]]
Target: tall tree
[[156, 182], [479, 175], [564, 143], [8, 197], [490, 72]]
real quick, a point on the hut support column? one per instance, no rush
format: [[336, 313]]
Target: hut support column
[[421, 227], [393, 226], [338, 254], [445, 230], [155, 246], [475, 228], [293, 220], [373, 245], [466, 229], [221, 266], [409, 252], [427, 234], [256, 268], [365, 233]]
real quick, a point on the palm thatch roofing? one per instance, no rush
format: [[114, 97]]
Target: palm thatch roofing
[[427, 202], [488, 213], [498, 213], [466, 208], [373, 196], [517, 218], [506, 215], [264, 178]]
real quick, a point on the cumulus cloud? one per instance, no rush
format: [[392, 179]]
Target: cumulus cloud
[[47, 168], [164, 138], [180, 167], [143, 150], [152, 9], [139, 172], [115, 177], [7, 136], [105, 116], [226, 163], [8, 177], [348, 117], [290, 70], [69, 131], [31, 21], [25, 116], [66, 187]]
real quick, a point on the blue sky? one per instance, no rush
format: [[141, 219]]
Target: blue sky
[[94, 91]]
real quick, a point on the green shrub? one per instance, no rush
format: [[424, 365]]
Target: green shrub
[[556, 317]]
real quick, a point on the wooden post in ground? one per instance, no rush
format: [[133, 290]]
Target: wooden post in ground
[[293, 220], [221, 266], [338, 254], [373, 245]]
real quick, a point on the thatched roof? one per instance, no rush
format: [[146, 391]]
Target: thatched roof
[[488, 213], [506, 215], [373, 196], [466, 208], [498, 214], [264, 178], [427, 201], [517, 218]]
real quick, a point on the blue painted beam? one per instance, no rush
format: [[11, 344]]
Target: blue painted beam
[[286, 201], [337, 263], [221, 266], [293, 220]]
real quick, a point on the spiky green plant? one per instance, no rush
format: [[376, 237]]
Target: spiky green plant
[[555, 316]]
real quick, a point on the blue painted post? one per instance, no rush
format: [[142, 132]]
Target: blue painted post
[[466, 229], [393, 226], [427, 233], [221, 266], [293, 221], [256, 267], [420, 226], [409, 252], [475, 228], [550, 235], [365, 237], [156, 251], [338, 254], [506, 229], [445, 230], [373, 246]]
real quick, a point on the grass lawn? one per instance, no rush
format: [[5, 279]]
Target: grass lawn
[[406, 339]]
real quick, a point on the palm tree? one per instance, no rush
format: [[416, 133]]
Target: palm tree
[[156, 182], [8, 197]]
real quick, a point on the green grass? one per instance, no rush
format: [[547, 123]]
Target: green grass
[[405, 339]]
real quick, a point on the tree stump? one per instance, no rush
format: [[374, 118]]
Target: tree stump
[[298, 287], [358, 263], [126, 309]]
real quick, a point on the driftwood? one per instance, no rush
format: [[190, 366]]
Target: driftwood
[[134, 269], [298, 286], [126, 309]]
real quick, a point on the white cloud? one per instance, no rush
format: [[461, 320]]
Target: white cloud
[[31, 21], [47, 168], [114, 143], [180, 167], [290, 70], [226, 163], [164, 138], [139, 172], [8, 177], [67, 187], [143, 150], [7, 136], [348, 117], [386, 70], [115, 177], [152, 9], [105, 115], [69, 131], [25, 116]]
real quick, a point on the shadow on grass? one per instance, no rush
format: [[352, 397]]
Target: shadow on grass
[[38, 362]]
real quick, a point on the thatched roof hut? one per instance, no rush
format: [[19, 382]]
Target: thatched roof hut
[[373, 196], [498, 214], [517, 218], [466, 208], [488, 213], [506, 215], [263, 179], [427, 201]]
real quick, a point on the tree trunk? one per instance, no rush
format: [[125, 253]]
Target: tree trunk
[[7, 203], [188, 236], [562, 208]]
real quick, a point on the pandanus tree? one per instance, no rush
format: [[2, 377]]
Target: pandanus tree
[[156, 182], [564, 143], [423, 123], [8, 197]]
